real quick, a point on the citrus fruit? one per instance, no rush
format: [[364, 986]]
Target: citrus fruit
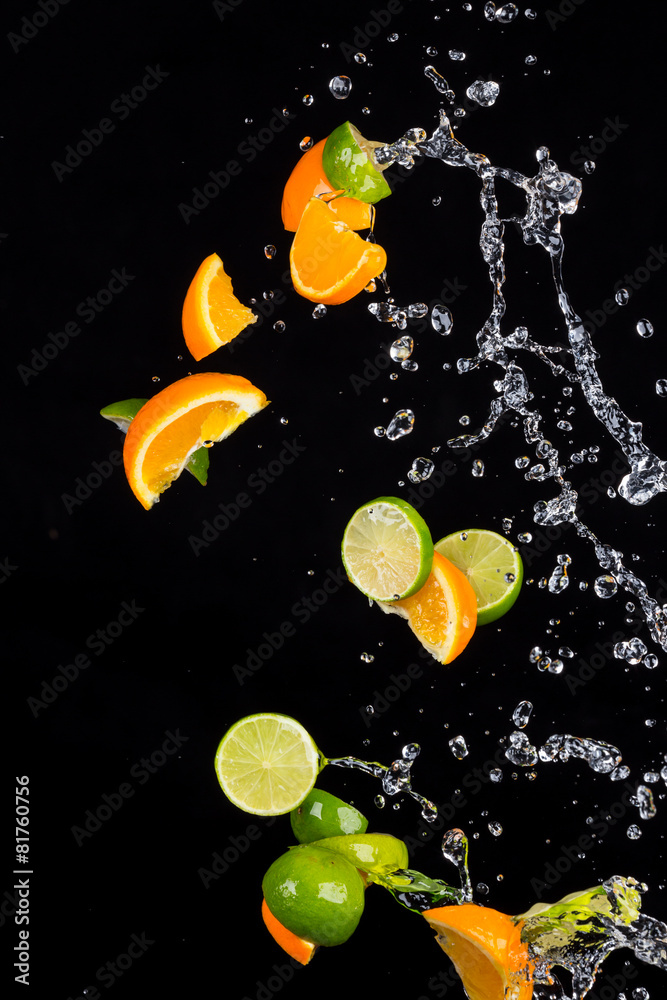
[[349, 163], [322, 814], [330, 263], [196, 410], [212, 315], [486, 949], [295, 946], [369, 852], [308, 180], [387, 549], [123, 413], [443, 613], [316, 894], [492, 565], [267, 763]]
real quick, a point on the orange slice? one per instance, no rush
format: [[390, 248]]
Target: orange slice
[[212, 315], [195, 411], [443, 614], [295, 946], [308, 180], [328, 262], [486, 949]]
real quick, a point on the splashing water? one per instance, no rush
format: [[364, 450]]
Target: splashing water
[[549, 194], [396, 779]]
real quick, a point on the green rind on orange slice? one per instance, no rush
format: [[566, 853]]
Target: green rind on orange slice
[[123, 413], [387, 549], [492, 565], [349, 164]]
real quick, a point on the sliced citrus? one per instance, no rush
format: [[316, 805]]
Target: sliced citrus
[[349, 163], [296, 947], [308, 180], [443, 614], [486, 949], [387, 549], [322, 814], [492, 565], [196, 410], [329, 262], [212, 315], [123, 413], [267, 763], [369, 852]]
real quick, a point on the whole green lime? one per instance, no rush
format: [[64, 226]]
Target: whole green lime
[[322, 814], [369, 852], [315, 893]]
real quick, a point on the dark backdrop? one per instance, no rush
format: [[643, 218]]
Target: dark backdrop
[[171, 862]]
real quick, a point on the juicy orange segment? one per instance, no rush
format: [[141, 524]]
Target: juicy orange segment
[[443, 614], [486, 949], [308, 180], [328, 262], [178, 420], [295, 946], [212, 315]]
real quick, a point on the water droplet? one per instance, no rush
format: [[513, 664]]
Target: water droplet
[[530, 13], [379, 801], [634, 833], [522, 462], [367, 657], [456, 55], [284, 420], [401, 423], [490, 11], [359, 57], [589, 166], [441, 319], [496, 775], [620, 773], [651, 777], [484, 93], [507, 13], [421, 469], [458, 747], [495, 828], [340, 87], [393, 37], [208, 444], [464, 420], [645, 328], [401, 348], [477, 468], [661, 387], [305, 143], [319, 311], [279, 326], [379, 431], [524, 537], [649, 722], [269, 250], [522, 713], [605, 585], [651, 661], [307, 99], [267, 295], [530, 60], [622, 296]]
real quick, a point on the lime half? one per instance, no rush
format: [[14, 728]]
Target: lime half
[[387, 549], [267, 763], [349, 164], [322, 814], [492, 565]]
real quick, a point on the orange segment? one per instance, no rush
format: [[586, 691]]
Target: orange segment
[[295, 946], [328, 262], [486, 949], [212, 315], [308, 180], [178, 420], [443, 614]]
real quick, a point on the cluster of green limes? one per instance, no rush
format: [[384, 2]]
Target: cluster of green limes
[[316, 890]]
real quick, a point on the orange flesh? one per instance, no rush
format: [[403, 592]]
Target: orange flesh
[[308, 180], [212, 314]]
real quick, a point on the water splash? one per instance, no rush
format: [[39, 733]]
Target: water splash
[[396, 779]]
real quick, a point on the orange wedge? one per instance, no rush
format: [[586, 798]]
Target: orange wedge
[[329, 263], [295, 946], [443, 614], [486, 949], [212, 315], [195, 411], [308, 180]]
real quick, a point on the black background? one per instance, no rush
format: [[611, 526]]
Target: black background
[[70, 564]]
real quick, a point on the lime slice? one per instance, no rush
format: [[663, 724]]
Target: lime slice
[[267, 763], [349, 163], [370, 852], [492, 565], [322, 814], [387, 549], [123, 413]]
